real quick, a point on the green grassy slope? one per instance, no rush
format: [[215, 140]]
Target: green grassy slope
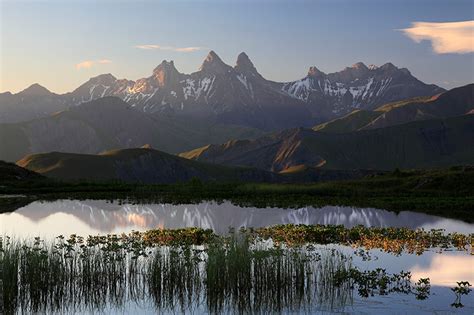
[[351, 122]]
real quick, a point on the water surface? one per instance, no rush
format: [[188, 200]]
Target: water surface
[[49, 219], [91, 217]]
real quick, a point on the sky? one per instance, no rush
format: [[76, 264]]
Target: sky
[[61, 44]]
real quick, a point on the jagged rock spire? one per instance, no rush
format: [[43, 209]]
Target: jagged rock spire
[[214, 63], [166, 73], [314, 72]]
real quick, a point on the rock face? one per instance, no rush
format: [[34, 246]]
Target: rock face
[[233, 95], [241, 95], [230, 95], [357, 87]]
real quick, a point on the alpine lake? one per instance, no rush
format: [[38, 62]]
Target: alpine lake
[[116, 257]]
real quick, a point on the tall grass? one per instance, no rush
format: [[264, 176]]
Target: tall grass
[[269, 270], [232, 274]]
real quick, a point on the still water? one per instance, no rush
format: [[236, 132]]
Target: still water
[[92, 217]]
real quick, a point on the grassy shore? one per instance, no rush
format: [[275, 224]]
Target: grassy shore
[[447, 192]]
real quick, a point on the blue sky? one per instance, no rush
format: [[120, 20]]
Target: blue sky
[[44, 41]]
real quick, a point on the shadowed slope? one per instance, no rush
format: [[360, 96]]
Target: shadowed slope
[[455, 102], [109, 123], [135, 165], [431, 143]]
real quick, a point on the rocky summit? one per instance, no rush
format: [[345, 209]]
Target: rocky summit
[[237, 95]]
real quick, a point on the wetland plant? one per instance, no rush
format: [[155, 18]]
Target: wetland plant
[[278, 269], [462, 288]]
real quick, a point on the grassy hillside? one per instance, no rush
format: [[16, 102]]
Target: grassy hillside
[[416, 100], [10, 173], [456, 102], [135, 165], [351, 122], [422, 144]]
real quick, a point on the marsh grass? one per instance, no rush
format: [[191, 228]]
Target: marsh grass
[[269, 270], [229, 274]]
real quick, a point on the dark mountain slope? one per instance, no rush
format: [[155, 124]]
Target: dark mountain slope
[[136, 165], [109, 123], [431, 143], [456, 102], [10, 172], [33, 102]]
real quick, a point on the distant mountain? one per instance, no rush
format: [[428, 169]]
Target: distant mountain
[[237, 95], [230, 95], [136, 165], [456, 102], [109, 123], [240, 94], [421, 144], [356, 87], [33, 102]]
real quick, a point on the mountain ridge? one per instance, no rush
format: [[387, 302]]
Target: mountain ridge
[[455, 102], [239, 94], [135, 165], [419, 144]]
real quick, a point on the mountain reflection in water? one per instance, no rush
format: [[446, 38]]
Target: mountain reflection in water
[[97, 216]]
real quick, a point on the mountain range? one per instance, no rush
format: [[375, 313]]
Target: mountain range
[[237, 95], [230, 123], [109, 123]]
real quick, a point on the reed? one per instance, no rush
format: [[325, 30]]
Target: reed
[[185, 270]]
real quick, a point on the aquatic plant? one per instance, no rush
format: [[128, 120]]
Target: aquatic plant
[[422, 288], [277, 269], [462, 288], [389, 239], [232, 272]]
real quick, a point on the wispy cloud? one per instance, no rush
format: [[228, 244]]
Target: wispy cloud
[[89, 63], [170, 48], [445, 37], [84, 65], [104, 61]]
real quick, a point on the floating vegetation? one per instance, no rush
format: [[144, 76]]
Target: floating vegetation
[[389, 239], [378, 281], [186, 270]]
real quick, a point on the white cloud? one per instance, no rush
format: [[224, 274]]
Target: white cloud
[[445, 37], [89, 63], [171, 48], [84, 65]]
